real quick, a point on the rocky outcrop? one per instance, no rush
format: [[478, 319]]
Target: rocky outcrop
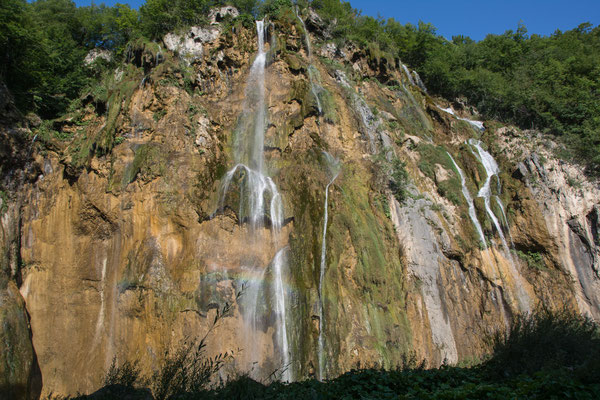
[[569, 205], [217, 15], [97, 54], [130, 251], [191, 44]]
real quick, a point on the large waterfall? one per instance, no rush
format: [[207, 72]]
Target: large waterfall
[[260, 207]]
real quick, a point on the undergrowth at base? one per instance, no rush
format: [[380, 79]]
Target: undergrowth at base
[[543, 355]]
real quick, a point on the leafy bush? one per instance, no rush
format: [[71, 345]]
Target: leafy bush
[[545, 340], [533, 259], [399, 180]]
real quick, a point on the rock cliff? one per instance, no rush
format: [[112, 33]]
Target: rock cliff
[[119, 239]]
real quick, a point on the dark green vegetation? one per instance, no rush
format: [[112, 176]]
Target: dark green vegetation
[[549, 83], [545, 355]]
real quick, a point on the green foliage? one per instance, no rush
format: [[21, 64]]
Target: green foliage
[[550, 83], [432, 155], [186, 370], [542, 355], [148, 163], [546, 340], [533, 259], [399, 180]]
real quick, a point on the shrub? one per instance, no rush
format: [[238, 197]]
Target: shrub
[[533, 259], [399, 180], [545, 340]]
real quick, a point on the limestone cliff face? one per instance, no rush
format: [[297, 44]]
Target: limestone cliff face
[[127, 246]]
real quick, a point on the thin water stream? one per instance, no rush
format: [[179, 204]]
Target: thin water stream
[[313, 86], [469, 199], [334, 169]]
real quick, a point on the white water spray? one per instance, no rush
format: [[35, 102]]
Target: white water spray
[[491, 169], [469, 199], [278, 265], [476, 124], [408, 75], [259, 202]]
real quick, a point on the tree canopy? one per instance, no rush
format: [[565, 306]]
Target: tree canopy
[[548, 83]]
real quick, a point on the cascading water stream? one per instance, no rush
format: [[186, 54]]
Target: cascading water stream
[[259, 201], [334, 168], [408, 75], [504, 218], [370, 122], [469, 199], [491, 169], [278, 265], [476, 124], [311, 78]]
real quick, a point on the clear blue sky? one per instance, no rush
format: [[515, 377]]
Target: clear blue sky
[[474, 18]]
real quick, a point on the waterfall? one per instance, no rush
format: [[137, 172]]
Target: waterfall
[[311, 68], [370, 122], [334, 168], [408, 75], [259, 201], [419, 81], [505, 220], [278, 265], [476, 124], [492, 169], [469, 199]]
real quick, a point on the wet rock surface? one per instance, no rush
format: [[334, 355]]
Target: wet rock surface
[[131, 252]]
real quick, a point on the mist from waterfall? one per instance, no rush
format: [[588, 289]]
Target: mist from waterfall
[[260, 207]]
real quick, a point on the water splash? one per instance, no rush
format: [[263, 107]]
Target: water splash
[[334, 169], [259, 202]]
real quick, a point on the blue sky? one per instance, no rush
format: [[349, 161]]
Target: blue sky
[[474, 18]]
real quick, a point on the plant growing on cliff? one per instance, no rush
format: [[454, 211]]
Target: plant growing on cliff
[[533, 259], [399, 180]]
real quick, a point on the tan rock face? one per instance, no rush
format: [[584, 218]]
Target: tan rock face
[[133, 253]]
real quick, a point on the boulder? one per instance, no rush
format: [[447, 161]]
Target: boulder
[[217, 15], [191, 44]]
